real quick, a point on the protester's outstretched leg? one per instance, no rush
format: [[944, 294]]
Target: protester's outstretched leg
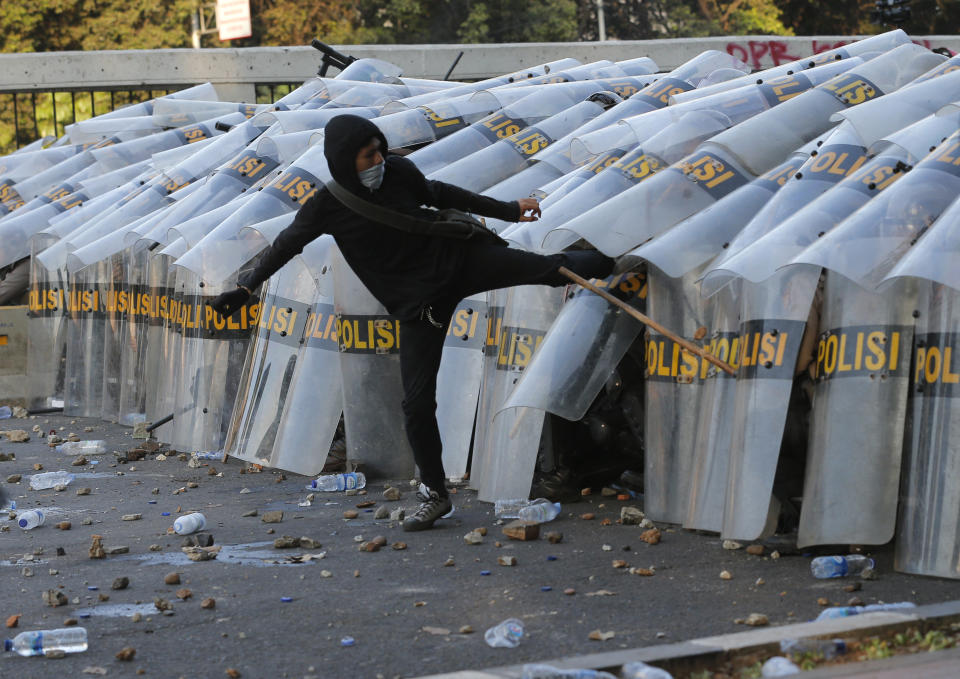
[[421, 347]]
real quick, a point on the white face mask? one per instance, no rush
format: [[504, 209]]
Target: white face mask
[[372, 177]]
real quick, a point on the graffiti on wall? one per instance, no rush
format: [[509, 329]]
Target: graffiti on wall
[[768, 53]]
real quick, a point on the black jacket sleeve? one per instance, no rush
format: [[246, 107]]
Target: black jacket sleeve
[[442, 195], [289, 243]]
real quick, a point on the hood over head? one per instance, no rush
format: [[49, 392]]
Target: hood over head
[[344, 136]]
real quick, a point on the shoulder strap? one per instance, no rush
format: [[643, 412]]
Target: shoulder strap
[[395, 219]]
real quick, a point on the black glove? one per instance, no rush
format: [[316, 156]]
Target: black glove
[[589, 263], [229, 302]]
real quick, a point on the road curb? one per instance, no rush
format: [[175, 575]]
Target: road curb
[[693, 654]]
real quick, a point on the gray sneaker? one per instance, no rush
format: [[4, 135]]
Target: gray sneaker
[[432, 507]]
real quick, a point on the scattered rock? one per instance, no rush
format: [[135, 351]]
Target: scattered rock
[[37, 466], [154, 548], [197, 540], [757, 620], [309, 543], [136, 617], [473, 538], [869, 574], [351, 514], [26, 572], [854, 601], [631, 516], [392, 494], [382, 512], [95, 669], [70, 622], [398, 546], [17, 436], [116, 549], [553, 537], [398, 514], [449, 562], [192, 484], [83, 491], [20, 413], [73, 438], [275, 516], [619, 563], [726, 575], [64, 525], [823, 601], [7, 457], [584, 492], [79, 461], [732, 544], [852, 587], [760, 581], [54, 597], [774, 554], [120, 583], [507, 560], [465, 629], [54, 653], [286, 542], [326, 574], [589, 516], [126, 654], [14, 478], [96, 547], [161, 604], [171, 579], [606, 548], [252, 512], [365, 504], [651, 536], [569, 591], [13, 621], [131, 517], [522, 530], [645, 572], [755, 550], [103, 597], [201, 553], [232, 673], [607, 492], [184, 594], [208, 603], [598, 635]]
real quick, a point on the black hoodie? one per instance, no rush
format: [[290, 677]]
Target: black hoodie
[[404, 271]]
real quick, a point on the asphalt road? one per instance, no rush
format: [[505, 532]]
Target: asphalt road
[[394, 604]]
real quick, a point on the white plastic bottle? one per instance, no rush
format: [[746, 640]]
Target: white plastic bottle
[[50, 480], [509, 508], [30, 519], [543, 671], [505, 635], [335, 482], [641, 670], [847, 611], [189, 523], [778, 666], [68, 640], [840, 566], [82, 448], [540, 510]]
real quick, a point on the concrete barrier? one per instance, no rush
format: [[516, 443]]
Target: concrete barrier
[[234, 72]]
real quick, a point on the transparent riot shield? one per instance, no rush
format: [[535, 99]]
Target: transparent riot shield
[[28, 189], [115, 156], [177, 113], [46, 339], [115, 307], [934, 256], [458, 383], [83, 388], [315, 119], [862, 375], [371, 70], [212, 353], [581, 349], [289, 307], [506, 441], [163, 347], [713, 415], [137, 376], [203, 92], [929, 520], [370, 369], [772, 321]]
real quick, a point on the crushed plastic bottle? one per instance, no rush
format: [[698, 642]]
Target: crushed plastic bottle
[[82, 448], [335, 482], [6, 412], [840, 566], [828, 648], [209, 455], [189, 523], [641, 670], [778, 666], [30, 519], [540, 510], [50, 480], [847, 611], [509, 508], [39, 642], [542, 671], [505, 635]]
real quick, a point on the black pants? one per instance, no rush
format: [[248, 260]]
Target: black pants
[[486, 267]]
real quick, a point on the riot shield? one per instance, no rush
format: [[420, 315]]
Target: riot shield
[[934, 256], [137, 376], [458, 383], [289, 314], [866, 245], [370, 370], [929, 520], [581, 349], [163, 348], [772, 321], [46, 339], [506, 441], [862, 375], [83, 387], [176, 113], [115, 307]]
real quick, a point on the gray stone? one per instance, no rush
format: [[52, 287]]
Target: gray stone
[[120, 583], [382, 512], [631, 516], [252, 512], [392, 494], [397, 514], [275, 516], [117, 549]]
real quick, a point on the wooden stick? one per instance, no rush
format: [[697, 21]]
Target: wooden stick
[[646, 320]]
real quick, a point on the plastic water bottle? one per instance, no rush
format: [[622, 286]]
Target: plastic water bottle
[[540, 510], [509, 508], [641, 670], [335, 482], [68, 640], [847, 611], [189, 523], [50, 480], [30, 519], [6, 412], [505, 635], [542, 671], [778, 666], [82, 448], [828, 648], [839, 566]]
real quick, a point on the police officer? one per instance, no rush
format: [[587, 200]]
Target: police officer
[[419, 278]]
